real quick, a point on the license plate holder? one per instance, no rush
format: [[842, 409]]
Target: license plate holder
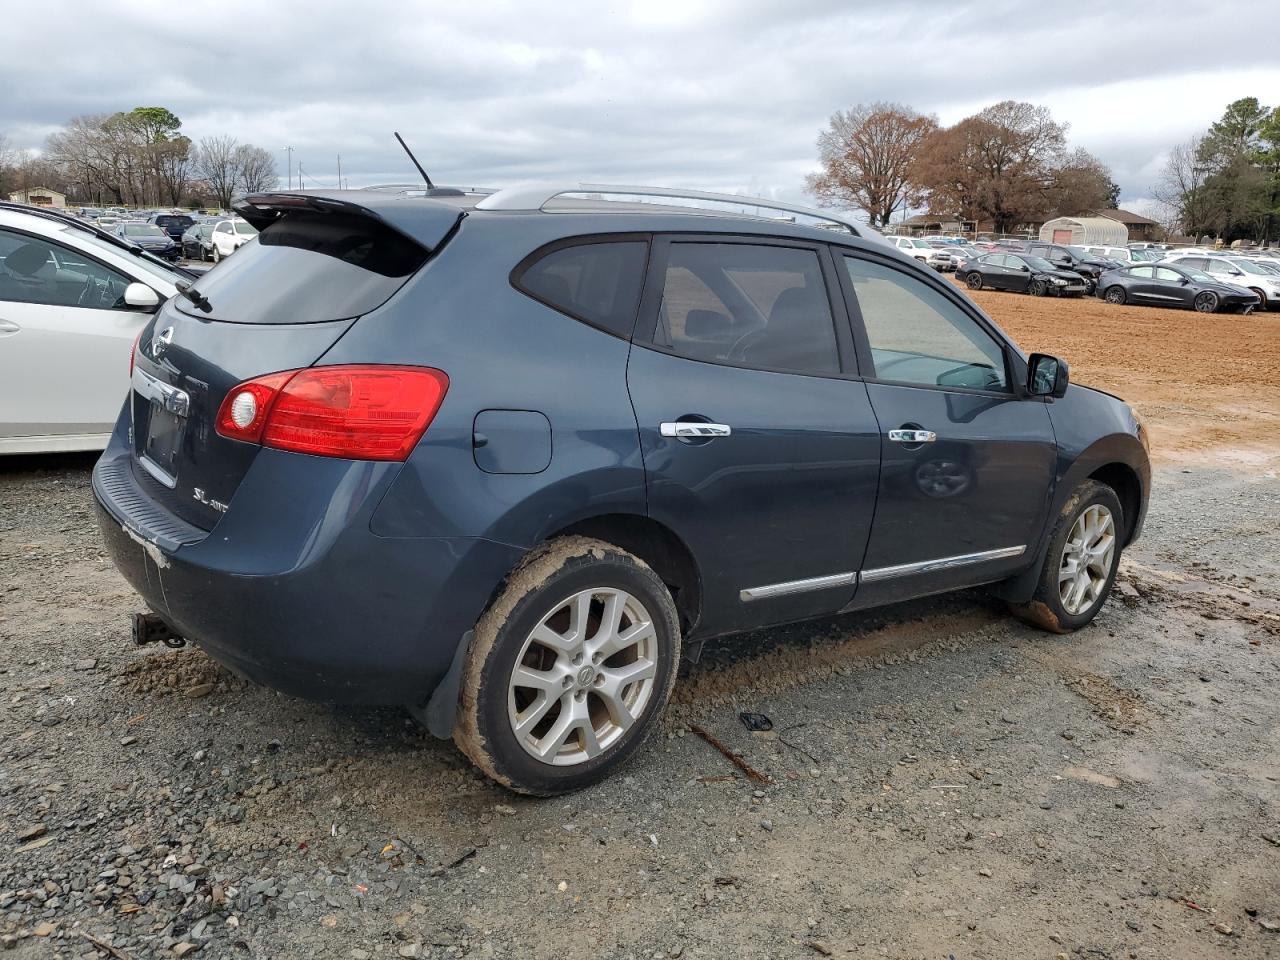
[[165, 430]]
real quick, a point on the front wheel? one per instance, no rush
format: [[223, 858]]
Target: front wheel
[[217, 254], [1038, 288], [568, 669], [1114, 295], [1081, 562], [974, 280], [1206, 302]]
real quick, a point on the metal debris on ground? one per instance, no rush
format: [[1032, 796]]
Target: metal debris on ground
[[734, 758]]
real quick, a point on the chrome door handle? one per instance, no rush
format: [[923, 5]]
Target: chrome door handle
[[694, 428], [912, 436]]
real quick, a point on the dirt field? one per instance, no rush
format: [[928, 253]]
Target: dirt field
[[941, 780], [1208, 386]]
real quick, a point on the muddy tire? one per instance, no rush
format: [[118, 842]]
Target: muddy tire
[[569, 668], [1081, 562]]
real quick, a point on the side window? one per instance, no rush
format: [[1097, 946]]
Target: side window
[[1143, 272], [35, 270], [223, 228], [596, 282], [918, 335], [1220, 266], [1164, 273], [1195, 263], [756, 306]]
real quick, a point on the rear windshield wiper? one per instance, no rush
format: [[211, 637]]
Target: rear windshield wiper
[[195, 296]]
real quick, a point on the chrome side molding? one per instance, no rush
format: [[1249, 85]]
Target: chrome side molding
[[772, 590], [942, 563]]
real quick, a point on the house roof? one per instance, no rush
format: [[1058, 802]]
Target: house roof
[[1123, 216]]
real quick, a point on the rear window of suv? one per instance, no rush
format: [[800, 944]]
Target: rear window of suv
[[309, 268]]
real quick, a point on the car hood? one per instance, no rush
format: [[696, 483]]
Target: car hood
[[1068, 275]]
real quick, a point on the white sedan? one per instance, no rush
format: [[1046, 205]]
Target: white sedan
[[73, 299]]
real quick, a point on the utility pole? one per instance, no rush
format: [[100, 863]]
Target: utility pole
[[289, 178], [339, 171], [299, 174]]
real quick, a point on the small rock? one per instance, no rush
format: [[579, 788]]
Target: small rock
[[194, 693], [1133, 925], [1271, 926], [128, 741], [562, 886], [505, 810], [34, 845], [410, 950], [1223, 929], [184, 948], [1046, 805], [1127, 589], [43, 929], [984, 872], [88, 663], [358, 954], [30, 833], [766, 825]]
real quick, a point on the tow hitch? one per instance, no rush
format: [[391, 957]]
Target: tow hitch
[[150, 628]]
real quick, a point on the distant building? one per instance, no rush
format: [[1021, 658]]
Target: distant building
[[1106, 231], [1139, 228], [40, 197]]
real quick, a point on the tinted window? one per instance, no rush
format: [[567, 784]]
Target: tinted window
[[756, 306], [306, 268], [143, 230], [168, 220], [33, 270], [1219, 266], [596, 282], [1142, 272], [1196, 263], [918, 335]]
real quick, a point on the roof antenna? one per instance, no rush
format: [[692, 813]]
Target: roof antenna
[[430, 185]]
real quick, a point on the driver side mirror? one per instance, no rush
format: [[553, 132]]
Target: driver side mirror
[[1024, 268], [1047, 376], [138, 296]]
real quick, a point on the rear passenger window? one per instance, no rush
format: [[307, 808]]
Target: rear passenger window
[[751, 305], [1144, 272], [596, 282]]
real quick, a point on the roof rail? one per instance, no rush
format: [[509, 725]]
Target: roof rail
[[537, 196]]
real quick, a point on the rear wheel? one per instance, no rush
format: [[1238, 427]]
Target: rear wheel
[[1206, 302], [569, 668], [217, 254], [1114, 295], [1262, 297], [1081, 562], [974, 280]]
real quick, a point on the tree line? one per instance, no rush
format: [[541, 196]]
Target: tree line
[[138, 158], [1008, 164], [1225, 182]]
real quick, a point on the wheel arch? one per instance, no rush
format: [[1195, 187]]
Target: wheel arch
[[1123, 479], [657, 545]]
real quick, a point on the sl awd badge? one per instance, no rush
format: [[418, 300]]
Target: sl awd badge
[[198, 495]]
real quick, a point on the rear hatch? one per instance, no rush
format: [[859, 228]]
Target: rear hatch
[[279, 303]]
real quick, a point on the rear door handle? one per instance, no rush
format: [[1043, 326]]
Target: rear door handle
[[912, 436], [8, 326], [694, 428]]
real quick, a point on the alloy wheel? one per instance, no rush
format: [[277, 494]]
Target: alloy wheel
[[1087, 557], [584, 676], [1115, 295], [1206, 302]]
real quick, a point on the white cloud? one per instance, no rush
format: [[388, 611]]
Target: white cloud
[[717, 94]]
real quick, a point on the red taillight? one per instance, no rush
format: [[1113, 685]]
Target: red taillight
[[355, 412]]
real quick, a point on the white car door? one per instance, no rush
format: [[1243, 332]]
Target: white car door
[[224, 238], [65, 340]]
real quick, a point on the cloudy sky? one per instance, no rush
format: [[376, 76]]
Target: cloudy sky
[[716, 94]]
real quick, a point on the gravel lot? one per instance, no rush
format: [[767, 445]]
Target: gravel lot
[[940, 780]]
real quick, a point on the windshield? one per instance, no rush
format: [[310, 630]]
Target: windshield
[[1039, 263], [142, 230], [1247, 266], [242, 227], [145, 262]]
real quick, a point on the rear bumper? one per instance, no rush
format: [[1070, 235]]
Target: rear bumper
[[294, 591]]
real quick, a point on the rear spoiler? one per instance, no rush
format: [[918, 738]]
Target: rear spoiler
[[425, 221]]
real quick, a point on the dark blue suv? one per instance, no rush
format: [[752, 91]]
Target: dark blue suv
[[497, 458]]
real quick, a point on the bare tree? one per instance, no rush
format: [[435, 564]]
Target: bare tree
[[1182, 188], [216, 165], [255, 169], [997, 165], [867, 156]]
